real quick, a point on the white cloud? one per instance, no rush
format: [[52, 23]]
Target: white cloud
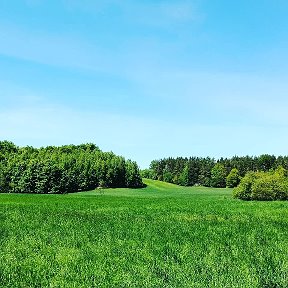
[[251, 98], [158, 13], [181, 11], [166, 15], [89, 6]]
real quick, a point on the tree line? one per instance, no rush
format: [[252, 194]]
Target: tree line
[[63, 169], [209, 171]]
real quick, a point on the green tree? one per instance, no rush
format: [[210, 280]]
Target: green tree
[[265, 162], [8, 147], [218, 176], [148, 173], [233, 178], [184, 178], [63, 169], [2, 179], [206, 165], [132, 177]]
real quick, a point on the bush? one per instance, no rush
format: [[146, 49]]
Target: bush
[[263, 186], [243, 190]]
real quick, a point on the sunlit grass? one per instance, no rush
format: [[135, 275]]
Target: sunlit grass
[[160, 236]]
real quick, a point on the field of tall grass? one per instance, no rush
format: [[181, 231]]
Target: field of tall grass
[[159, 236]]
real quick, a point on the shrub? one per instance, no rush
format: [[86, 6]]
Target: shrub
[[263, 186], [243, 190]]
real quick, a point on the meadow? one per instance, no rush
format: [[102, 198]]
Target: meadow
[[160, 236]]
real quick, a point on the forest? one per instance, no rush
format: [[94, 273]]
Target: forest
[[68, 168], [74, 168], [209, 172]]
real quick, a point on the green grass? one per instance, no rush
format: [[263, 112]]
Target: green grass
[[160, 236]]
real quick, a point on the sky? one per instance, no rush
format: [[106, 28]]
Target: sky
[[146, 79]]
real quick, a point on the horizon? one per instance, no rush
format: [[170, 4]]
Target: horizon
[[146, 80]]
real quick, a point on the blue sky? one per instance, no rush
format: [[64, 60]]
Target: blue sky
[[146, 79]]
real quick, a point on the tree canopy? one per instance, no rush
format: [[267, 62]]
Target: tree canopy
[[63, 169], [209, 171]]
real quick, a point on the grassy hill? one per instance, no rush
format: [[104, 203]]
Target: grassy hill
[[160, 236]]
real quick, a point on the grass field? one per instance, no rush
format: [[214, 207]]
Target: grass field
[[160, 236]]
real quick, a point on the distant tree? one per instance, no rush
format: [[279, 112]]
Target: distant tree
[[206, 165], [148, 173], [63, 169], [218, 176], [2, 178], [184, 178], [265, 162], [197, 170], [132, 177], [243, 164], [282, 161], [157, 167], [233, 178], [8, 147], [168, 177]]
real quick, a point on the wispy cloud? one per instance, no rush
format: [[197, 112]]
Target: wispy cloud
[[166, 15], [34, 3], [48, 48], [236, 97], [181, 11], [151, 11], [147, 72], [145, 91]]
